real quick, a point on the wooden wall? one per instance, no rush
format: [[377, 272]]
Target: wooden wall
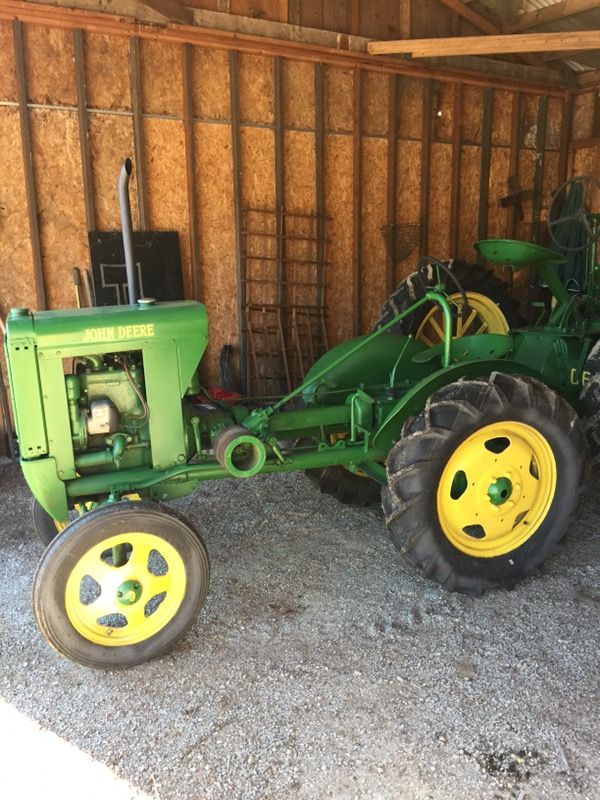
[[451, 144]]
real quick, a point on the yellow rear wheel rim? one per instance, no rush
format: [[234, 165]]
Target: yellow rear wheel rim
[[484, 316], [496, 489], [133, 602]]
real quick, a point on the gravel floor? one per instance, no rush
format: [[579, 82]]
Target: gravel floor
[[322, 666]]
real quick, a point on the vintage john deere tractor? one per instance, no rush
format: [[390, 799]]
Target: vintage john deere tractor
[[475, 437]]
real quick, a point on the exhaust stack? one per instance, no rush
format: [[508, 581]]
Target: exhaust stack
[[127, 230]]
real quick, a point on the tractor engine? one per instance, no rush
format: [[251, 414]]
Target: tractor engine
[[100, 389]]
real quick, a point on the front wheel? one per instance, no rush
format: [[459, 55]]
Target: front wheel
[[482, 486], [121, 585]]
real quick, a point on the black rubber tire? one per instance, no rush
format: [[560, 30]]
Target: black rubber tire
[[347, 487], [416, 463], [64, 552], [43, 524], [472, 277]]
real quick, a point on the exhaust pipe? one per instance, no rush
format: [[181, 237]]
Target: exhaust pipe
[[127, 230]]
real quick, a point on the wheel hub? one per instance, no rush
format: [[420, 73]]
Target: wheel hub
[[500, 491], [129, 592]]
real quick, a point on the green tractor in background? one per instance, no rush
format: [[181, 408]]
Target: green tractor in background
[[470, 423]]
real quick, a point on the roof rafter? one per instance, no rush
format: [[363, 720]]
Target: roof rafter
[[485, 25], [567, 8], [170, 10]]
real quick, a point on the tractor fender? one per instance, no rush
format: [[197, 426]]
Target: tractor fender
[[414, 400]]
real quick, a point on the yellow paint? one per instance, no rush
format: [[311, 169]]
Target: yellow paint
[[84, 617], [585, 376], [112, 333], [527, 462], [484, 317]]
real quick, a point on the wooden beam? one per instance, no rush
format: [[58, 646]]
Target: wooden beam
[[484, 24], [487, 45], [170, 10], [190, 168], [541, 16], [356, 200], [589, 79], [466, 12], [404, 15]]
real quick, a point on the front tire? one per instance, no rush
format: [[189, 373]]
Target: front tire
[[121, 585], [482, 486]]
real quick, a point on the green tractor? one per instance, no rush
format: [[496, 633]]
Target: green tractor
[[473, 427]]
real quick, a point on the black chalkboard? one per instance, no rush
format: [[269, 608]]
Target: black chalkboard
[[158, 264]]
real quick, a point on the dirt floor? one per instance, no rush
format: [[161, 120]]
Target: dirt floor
[[323, 666]]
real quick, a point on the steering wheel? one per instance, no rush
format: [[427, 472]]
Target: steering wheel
[[580, 215], [427, 261]]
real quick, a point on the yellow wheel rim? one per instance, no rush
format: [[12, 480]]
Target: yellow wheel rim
[[496, 489], [484, 316], [122, 605]]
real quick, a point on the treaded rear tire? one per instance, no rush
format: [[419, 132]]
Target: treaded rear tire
[[346, 486], [416, 464], [472, 277]]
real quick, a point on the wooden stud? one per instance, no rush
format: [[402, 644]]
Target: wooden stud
[[354, 17], [294, 16], [356, 200], [513, 167], [486, 160], [565, 133], [392, 175], [84, 135], [456, 164], [320, 179], [425, 168], [538, 177], [404, 15], [279, 175], [138, 129], [190, 169], [32, 208], [234, 84], [488, 45]]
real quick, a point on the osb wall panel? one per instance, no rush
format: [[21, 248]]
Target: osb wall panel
[[470, 174], [166, 185], [472, 117], [374, 103], [15, 246], [50, 55], [442, 110], [299, 172], [107, 72], [8, 76], [161, 75], [299, 94], [257, 101], [111, 140], [585, 161], [60, 202], [338, 203], [583, 116], [218, 282], [210, 84], [410, 107], [338, 99], [408, 202], [439, 207], [373, 260], [498, 188], [502, 118], [258, 173]]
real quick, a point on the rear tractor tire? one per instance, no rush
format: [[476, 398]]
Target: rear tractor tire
[[348, 487], [121, 585], [492, 309], [483, 483]]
